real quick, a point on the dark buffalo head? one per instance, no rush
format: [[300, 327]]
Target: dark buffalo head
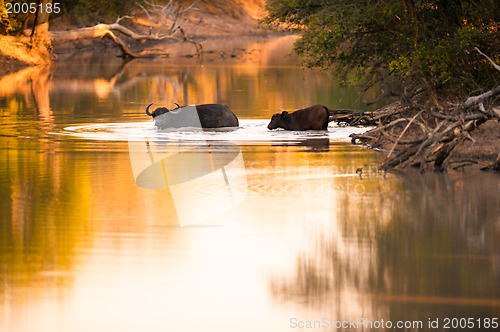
[[277, 120], [160, 110]]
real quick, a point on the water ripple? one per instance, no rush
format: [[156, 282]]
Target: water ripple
[[250, 130]]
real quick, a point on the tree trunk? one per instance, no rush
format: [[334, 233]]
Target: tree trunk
[[496, 164], [39, 37]]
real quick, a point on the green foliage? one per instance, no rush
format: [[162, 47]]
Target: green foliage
[[424, 43], [4, 19], [109, 9], [10, 23], [72, 11]]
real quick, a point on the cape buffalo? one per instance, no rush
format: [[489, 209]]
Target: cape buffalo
[[209, 115], [310, 118]]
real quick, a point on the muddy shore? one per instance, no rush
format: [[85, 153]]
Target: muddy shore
[[221, 19]]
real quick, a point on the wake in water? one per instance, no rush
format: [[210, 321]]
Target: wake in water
[[251, 131]]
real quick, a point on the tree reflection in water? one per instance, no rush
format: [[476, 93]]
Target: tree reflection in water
[[425, 247]]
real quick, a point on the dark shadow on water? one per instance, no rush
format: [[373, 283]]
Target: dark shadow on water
[[316, 144]]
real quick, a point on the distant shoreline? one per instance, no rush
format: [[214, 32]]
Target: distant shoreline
[[233, 21]]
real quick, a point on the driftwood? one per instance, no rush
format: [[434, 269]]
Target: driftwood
[[352, 117], [166, 23], [366, 118], [443, 129]]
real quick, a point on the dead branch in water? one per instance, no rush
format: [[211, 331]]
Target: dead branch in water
[[443, 129], [354, 117]]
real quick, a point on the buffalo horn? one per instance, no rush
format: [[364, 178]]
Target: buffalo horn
[[147, 110]]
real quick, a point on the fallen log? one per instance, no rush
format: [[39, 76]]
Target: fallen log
[[172, 12]]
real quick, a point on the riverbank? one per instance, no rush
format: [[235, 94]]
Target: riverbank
[[478, 146], [16, 53], [219, 19]]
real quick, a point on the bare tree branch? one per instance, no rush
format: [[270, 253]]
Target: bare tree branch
[[477, 99], [171, 14], [497, 67]]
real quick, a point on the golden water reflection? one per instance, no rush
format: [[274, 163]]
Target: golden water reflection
[[86, 249], [83, 248]]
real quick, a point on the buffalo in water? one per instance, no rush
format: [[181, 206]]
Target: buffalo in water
[[209, 115], [311, 118]]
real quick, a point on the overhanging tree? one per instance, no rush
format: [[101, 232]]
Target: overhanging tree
[[425, 44]]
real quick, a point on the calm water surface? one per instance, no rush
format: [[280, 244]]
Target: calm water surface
[[84, 248]]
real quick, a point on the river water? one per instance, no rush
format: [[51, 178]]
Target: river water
[[104, 227]]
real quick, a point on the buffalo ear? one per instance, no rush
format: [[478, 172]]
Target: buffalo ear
[[284, 113]]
